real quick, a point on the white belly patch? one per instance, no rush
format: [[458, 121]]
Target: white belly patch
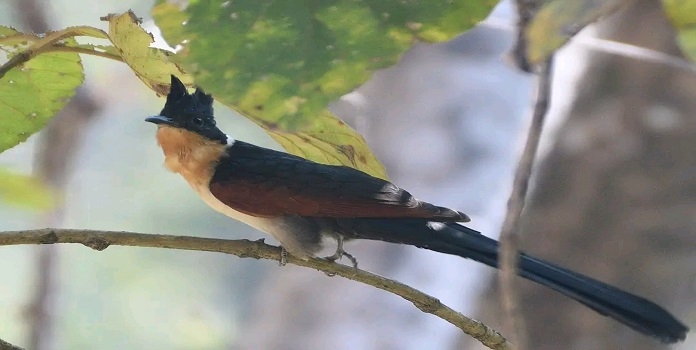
[[253, 221]]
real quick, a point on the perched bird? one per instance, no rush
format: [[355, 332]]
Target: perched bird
[[304, 205]]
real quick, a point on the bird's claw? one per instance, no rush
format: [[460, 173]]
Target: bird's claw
[[340, 253]]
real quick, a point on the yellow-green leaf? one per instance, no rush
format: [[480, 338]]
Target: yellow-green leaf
[[97, 50], [24, 191], [330, 141], [327, 140], [682, 14], [32, 93], [83, 31], [10, 37], [559, 20], [152, 66], [280, 63], [283, 62]]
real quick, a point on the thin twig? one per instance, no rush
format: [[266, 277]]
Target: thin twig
[[636, 52], [16, 61], [613, 47], [100, 240], [525, 12], [509, 235], [43, 45], [12, 39]]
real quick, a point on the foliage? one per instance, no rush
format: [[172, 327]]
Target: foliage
[[281, 63], [34, 91], [296, 119], [40, 76], [559, 20], [23, 191], [277, 63], [682, 13]]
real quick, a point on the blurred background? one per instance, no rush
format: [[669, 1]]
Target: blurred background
[[614, 197]]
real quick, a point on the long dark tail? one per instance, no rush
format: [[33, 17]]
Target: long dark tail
[[638, 313]]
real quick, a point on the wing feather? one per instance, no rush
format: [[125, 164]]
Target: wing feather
[[263, 182]]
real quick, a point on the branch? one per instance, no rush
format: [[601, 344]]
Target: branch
[[7, 346], [509, 235], [100, 240]]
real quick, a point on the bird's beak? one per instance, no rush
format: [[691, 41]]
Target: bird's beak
[[160, 119]]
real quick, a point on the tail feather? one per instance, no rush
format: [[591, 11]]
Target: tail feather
[[638, 313], [629, 309]]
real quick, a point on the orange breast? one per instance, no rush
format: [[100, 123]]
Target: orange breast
[[189, 154]]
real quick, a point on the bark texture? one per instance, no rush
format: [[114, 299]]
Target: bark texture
[[616, 196]]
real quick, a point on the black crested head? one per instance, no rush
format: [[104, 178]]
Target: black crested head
[[193, 112]]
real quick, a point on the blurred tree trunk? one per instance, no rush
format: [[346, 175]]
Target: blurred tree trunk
[[616, 196], [54, 157]]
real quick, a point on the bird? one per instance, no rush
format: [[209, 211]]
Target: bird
[[306, 206]]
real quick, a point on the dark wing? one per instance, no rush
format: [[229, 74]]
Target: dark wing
[[263, 182]]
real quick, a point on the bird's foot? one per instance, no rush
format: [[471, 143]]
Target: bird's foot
[[340, 253], [336, 256], [283, 257], [352, 259]]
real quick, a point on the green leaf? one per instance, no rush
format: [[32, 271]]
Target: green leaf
[[32, 93], [24, 191], [152, 66], [282, 62], [682, 14], [559, 20], [330, 141]]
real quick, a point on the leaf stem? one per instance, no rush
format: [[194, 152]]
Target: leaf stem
[[82, 50], [509, 235], [5, 40], [50, 40]]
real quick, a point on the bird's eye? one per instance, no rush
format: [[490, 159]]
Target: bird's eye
[[197, 122]]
